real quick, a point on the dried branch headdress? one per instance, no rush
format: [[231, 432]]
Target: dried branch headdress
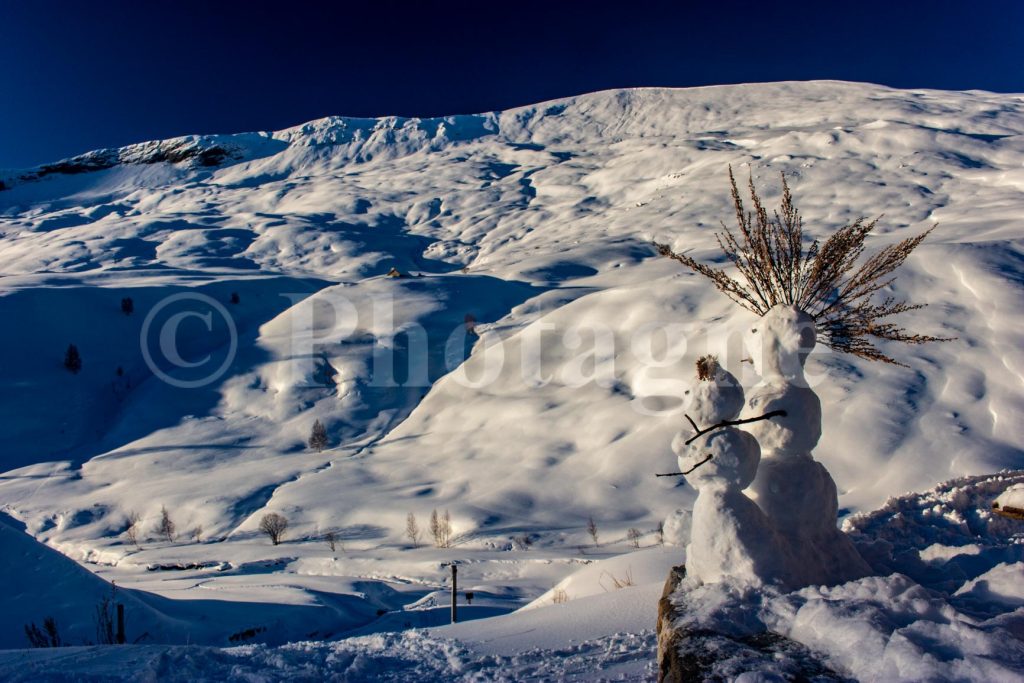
[[824, 281]]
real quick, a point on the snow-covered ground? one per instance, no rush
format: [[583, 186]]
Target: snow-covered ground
[[535, 225]]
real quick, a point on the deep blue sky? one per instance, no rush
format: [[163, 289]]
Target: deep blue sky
[[80, 75]]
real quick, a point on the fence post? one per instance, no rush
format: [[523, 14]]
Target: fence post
[[120, 624], [455, 593]]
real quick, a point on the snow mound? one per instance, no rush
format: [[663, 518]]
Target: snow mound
[[938, 618]]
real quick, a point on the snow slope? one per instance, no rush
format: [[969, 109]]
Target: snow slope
[[538, 223]]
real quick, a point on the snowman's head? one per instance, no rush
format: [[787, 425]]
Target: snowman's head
[[724, 458], [715, 396], [779, 342]]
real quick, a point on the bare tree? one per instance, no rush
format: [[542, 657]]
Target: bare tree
[[412, 529], [332, 540], [274, 526], [592, 529], [197, 533], [446, 529], [166, 527], [441, 529], [131, 531], [634, 536], [318, 437], [435, 529], [822, 280], [659, 533]]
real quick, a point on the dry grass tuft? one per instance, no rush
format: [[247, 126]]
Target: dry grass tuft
[[707, 366], [625, 581]]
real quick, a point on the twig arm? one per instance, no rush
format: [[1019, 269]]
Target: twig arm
[[679, 474], [733, 423]]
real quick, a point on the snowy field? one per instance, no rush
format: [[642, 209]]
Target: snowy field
[[534, 229]]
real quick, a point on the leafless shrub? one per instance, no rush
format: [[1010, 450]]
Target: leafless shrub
[[659, 533], [592, 529], [823, 281], [131, 531], [274, 526], [332, 540], [559, 596], [166, 527], [196, 534], [634, 536], [523, 541], [47, 636], [104, 619], [412, 529]]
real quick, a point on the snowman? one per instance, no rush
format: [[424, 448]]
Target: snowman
[[798, 290], [731, 539], [793, 489]]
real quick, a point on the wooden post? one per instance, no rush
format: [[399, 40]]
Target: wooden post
[[120, 624], [455, 593]]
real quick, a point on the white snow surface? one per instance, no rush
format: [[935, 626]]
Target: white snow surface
[[538, 223]]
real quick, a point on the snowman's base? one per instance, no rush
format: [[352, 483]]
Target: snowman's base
[[688, 654]]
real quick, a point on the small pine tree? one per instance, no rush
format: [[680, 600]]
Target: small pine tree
[[127, 305], [412, 529], [72, 359], [166, 527], [592, 529], [318, 437]]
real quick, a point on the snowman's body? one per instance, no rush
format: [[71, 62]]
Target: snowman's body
[[794, 490], [731, 539]]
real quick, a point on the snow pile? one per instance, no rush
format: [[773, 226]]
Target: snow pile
[[942, 617], [677, 526]]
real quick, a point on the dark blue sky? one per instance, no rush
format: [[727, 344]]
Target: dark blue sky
[[80, 75]]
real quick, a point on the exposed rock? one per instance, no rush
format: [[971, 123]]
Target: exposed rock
[[1008, 511], [688, 654], [669, 661], [198, 150]]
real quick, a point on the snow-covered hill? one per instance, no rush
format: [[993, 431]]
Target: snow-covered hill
[[535, 225]]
